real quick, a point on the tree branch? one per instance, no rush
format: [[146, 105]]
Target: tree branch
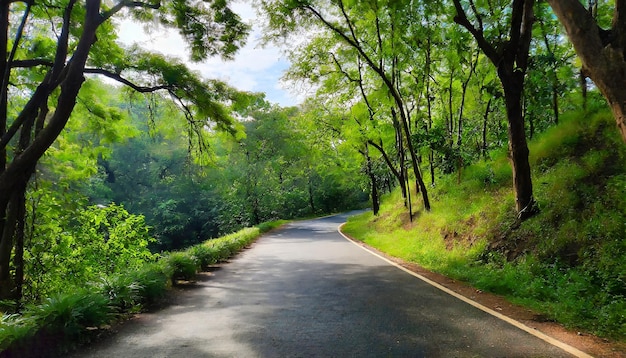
[[16, 43], [488, 49], [62, 43], [119, 78], [31, 63], [130, 4]]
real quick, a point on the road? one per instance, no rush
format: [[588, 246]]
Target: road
[[305, 291]]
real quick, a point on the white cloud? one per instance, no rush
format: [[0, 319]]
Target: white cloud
[[254, 68]]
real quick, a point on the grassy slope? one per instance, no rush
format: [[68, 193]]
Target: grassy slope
[[568, 262]]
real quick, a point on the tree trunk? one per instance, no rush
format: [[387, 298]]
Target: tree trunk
[[511, 62], [518, 148], [555, 99], [420, 186], [429, 107], [601, 52], [485, 119], [310, 190], [374, 184], [398, 174], [583, 87]]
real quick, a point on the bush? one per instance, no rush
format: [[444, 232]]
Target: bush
[[70, 313], [122, 291], [152, 281], [64, 317], [181, 266], [15, 330], [203, 256]]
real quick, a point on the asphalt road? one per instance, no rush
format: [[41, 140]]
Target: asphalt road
[[305, 291]]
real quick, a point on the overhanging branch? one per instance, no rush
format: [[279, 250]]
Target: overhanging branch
[[120, 79], [31, 63], [126, 3]]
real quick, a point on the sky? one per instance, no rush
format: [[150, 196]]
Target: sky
[[254, 68]]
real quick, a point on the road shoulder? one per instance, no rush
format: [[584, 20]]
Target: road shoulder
[[590, 344]]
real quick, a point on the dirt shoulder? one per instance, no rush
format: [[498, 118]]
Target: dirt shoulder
[[588, 343]]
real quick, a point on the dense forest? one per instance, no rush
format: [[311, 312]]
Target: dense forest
[[111, 157]]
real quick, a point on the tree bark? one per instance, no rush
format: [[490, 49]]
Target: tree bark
[[373, 182], [518, 149], [484, 134], [601, 52]]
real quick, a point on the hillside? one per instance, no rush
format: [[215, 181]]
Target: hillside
[[568, 262]]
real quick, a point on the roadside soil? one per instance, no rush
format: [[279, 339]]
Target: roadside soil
[[593, 345]]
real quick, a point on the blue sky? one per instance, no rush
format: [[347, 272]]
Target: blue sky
[[254, 68]]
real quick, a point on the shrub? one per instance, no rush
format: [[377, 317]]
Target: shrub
[[152, 282], [122, 291], [15, 330], [70, 313], [181, 265], [203, 256]]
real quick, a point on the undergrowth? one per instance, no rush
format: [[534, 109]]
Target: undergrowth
[[567, 263], [76, 314]]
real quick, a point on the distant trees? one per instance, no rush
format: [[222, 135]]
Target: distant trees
[[276, 166]]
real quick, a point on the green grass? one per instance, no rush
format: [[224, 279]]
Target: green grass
[[568, 262]]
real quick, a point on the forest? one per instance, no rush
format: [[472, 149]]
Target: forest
[[491, 129]]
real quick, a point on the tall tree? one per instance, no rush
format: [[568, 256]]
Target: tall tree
[[602, 51], [507, 47], [376, 38], [46, 62]]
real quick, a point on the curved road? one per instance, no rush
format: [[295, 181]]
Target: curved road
[[305, 291]]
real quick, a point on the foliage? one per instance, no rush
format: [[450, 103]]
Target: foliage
[[70, 313], [567, 263], [180, 266], [152, 281], [96, 241]]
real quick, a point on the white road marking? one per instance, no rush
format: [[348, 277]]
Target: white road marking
[[564, 346]]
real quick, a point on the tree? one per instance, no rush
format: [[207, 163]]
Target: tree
[[602, 51], [507, 47], [44, 67], [376, 38]]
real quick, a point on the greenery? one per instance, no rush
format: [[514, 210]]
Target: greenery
[[125, 190], [567, 262], [71, 315]]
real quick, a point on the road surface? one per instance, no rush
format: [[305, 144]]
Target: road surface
[[305, 291]]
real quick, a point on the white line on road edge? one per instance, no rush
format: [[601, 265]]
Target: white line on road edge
[[564, 346]]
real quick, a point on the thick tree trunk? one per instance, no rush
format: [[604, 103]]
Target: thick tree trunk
[[518, 148], [601, 52]]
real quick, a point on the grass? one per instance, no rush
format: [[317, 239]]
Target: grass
[[568, 262], [67, 318]]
